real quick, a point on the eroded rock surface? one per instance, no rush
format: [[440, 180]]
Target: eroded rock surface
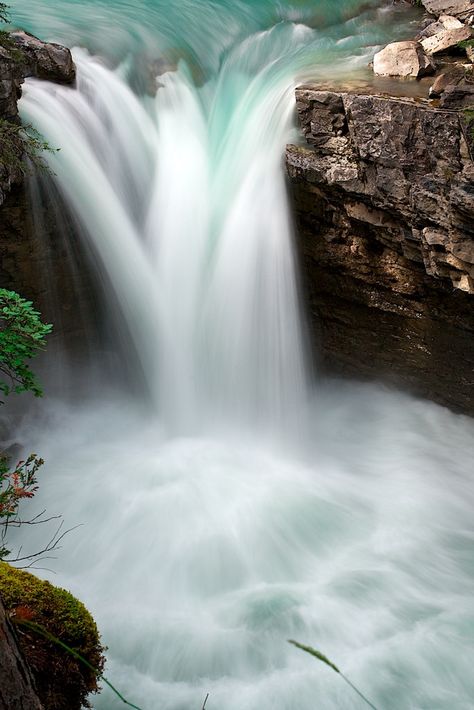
[[384, 202]]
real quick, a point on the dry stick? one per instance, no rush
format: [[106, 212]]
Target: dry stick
[[39, 630], [205, 702], [322, 657]]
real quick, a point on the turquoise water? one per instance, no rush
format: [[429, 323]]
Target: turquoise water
[[228, 502], [203, 31]]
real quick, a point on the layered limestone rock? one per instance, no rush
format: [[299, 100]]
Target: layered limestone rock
[[384, 203]]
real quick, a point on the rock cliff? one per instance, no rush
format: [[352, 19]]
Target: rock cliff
[[23, 55], [34, 256], [383, 197]]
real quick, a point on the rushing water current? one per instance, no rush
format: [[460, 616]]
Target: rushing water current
[[227, 502]]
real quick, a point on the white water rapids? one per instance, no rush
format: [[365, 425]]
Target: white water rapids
[[240, 508]]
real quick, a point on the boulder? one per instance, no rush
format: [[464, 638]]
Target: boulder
[[405, 59], [458, 96], [450, 22], [451, 77], [445, 22], [44, 60], [446, 39], [458, 8]]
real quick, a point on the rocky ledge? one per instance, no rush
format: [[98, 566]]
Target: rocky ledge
[[23, 55], [384, 202]]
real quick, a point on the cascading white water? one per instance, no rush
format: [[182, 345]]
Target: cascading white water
[[210, 538], [193, 233]]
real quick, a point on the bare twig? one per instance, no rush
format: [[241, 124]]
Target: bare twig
[[53, 544]]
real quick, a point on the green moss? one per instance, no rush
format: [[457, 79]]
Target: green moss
[[466, 44], [63, 682]]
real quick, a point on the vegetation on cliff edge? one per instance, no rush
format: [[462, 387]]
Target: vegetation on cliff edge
[[63, 682]]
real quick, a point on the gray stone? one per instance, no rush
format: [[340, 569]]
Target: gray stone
[[406, 59], [458, 8], [45, 60], [451, 77], [450, 23], [458, 96]]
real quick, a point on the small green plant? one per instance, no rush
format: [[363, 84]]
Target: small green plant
[[321, 657], [22, 336], [466, 44]]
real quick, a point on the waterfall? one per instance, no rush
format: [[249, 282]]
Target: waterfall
[[242, 506], [189, 220]]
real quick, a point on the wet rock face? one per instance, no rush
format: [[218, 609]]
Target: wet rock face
[[384, 203]]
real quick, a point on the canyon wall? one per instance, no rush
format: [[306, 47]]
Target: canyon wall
[[383, 197]]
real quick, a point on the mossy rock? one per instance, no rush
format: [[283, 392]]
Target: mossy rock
[[63, 682]]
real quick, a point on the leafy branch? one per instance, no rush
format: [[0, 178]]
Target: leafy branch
[[22, 336]]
